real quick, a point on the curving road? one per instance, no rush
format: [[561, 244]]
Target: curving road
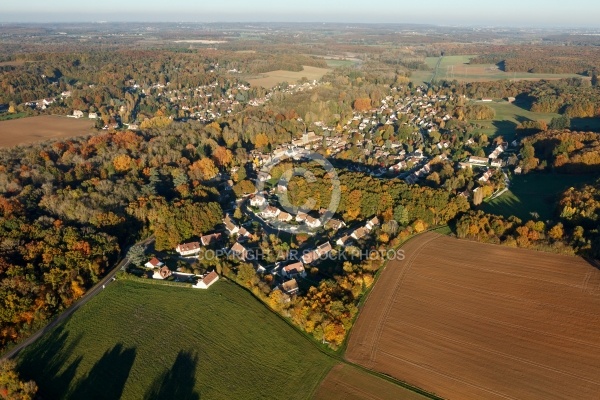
[[90, 294]]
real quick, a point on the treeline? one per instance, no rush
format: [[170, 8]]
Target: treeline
[[575, 229], [561, 151]]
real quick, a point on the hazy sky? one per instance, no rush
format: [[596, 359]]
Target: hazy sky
[[473, 12]]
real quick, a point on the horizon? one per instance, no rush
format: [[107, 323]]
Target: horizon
[[511, 13]]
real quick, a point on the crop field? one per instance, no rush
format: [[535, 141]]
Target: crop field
[[136, 340], [458, 68], [37, 129], [273, 78], [467, 320], [534, 194], [345, 382]]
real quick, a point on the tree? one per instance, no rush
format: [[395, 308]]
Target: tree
[[203, 169], [222, 156], [137, 254], [11, 386]]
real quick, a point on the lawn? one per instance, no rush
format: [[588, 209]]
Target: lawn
[[273, 78], [144, 341], [508, 116], [534, 193]]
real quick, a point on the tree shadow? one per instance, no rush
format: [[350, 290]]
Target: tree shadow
[[44, 360], [107, 377], [178, 382]]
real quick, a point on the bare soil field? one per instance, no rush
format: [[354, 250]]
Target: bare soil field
[[273, 78], [467, 320], [37, 129], [349, 383]]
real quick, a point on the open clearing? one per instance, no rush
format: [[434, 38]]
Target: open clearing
[[273, 78], [137, 340], [468, 320], [345, 382], [534, 193], [37, 129], [458, 68]]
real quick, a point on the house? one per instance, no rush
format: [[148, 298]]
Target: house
[[154, 263], [264, 176], [343, 241], [335, 224], [239, 251], [496, 162], [284, 217], [231, 227], [270, 212], [293, 270], [518, 170], [188, 249], [373, 222], [77, 114], [243, 234], [282, 187], [258, 201], [207, 281], [359, 233], [162, 273], [310, 257], [301, 216], [478, 160], [486, 176], [290, 287], [207, 240], [312, 222], [324, 249], [93, 115]]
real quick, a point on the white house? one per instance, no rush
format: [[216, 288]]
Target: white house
[[207, 281], [258, 201], [154, 263], [290, 287], [77, 114], [207, 240], [343, 241], [93, 115], [312, 222], [270, 212], [284, 217], [243, 234], [324, 249], [188, 249], [478, 160], [301, 216], [310, 257], [359, 233], [335, 224], [373, 222], [237, 250]]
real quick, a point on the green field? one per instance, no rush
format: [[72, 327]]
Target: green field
[[508, 116], [136, 340], [534, 193], [458, 68]]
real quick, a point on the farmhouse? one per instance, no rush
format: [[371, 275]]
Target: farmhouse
[[207, 281], [154, 263], [188, 249], [293, 270]]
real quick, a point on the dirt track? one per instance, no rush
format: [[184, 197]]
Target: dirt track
[[37, 129], [467, 320]]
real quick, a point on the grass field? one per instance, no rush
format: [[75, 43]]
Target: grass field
[[508, 116], [138, 341], [468, 320], [345, 382], [273, 78], [458, 67], [36, 129], [534, 193]]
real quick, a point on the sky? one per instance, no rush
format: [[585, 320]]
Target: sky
[[521, 13]]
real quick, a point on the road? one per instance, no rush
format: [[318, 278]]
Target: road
[[90, 294]]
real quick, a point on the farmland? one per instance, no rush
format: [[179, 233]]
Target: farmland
[[534, 193], [273, 78], [471, 320], [136, 340], [37, 129], [458, 68], [347, 382]]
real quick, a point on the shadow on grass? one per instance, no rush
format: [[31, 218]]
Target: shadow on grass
[[107, 377], [45, 363], [178, 382]]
